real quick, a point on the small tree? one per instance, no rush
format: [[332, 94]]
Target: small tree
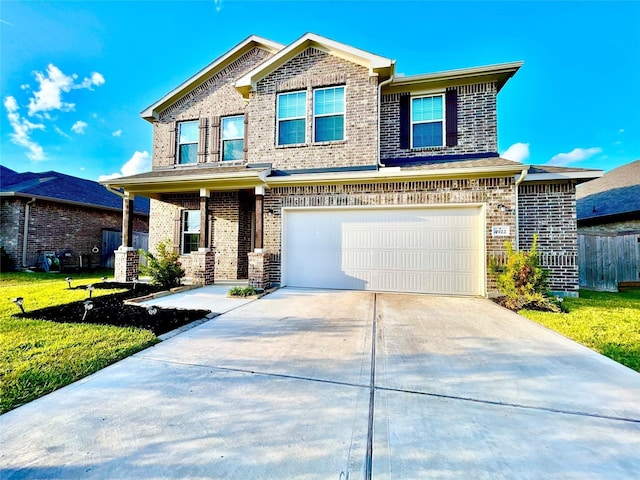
[[522, 280], [165, 268]]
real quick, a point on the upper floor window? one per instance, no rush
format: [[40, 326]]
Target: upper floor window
[[328, 114], [233, 138], [292, 114], [188, 142], [427, 121], [190, 231]]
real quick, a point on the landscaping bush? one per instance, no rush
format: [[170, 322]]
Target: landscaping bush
[[165, 268], [522, 280], [242, 291]]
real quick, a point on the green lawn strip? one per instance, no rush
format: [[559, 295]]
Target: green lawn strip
[[608, 323], [37, 356]]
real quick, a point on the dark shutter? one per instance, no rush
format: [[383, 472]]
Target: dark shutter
[[246, 137], [177, 229], [451, 111], [171, 152], [214, 139], [405, 120], [202, 141]]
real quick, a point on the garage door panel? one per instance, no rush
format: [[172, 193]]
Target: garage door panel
[[406, 250]]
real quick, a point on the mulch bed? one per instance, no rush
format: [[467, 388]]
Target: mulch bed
[[111, 310]]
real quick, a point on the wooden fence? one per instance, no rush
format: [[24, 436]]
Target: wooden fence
[[112, 240], [606, 260]]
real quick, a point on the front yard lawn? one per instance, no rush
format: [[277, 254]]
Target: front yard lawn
[[608, 323], [37, 356]]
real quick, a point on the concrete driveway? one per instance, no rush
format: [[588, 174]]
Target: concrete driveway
[[343, 385]]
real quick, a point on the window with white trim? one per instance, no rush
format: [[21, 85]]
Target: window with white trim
[[188, 142], [190, 231], [328, 114], [292, 118], [427, 121], [233, 138]]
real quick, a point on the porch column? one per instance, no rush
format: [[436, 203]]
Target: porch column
[[127, 260], [259, 218], [127, 220], [204, 216]]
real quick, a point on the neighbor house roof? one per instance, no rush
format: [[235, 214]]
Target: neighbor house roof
[[58, 187], [615, 194], [150, 113]]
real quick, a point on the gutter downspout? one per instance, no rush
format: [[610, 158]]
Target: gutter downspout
[[520, 179], [25, 233], [382, 84]]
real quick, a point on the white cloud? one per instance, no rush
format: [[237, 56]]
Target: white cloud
[[52, 84], [61, 132], [79, 127], [621, 130], [575, 155], [22, 129], [518, 152], [117, 133], [138, 163]]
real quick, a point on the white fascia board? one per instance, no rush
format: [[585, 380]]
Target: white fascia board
[[150, 113], [391, 174], [374, 62], [541, 177], [195, 177]]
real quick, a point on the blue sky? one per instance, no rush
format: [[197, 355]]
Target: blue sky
[[76, 75]]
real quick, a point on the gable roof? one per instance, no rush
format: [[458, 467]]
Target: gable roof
[[616, 193], [151, 112], [58, 187], [375, 63]]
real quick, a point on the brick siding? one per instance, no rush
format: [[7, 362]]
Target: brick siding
[[549, 210], [613, 227], [58, 226], [477, 124]]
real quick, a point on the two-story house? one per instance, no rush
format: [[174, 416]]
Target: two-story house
[[314, 165]]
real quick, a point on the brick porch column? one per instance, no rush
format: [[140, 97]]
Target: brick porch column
[[203, 263], [258, 269], [127, 259]]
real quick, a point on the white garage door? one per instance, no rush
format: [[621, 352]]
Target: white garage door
[[422, 250]]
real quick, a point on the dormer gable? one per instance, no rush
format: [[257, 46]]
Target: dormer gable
[[152, 112], [377, 65]]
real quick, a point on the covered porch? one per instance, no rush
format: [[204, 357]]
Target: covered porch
[[213, 217]]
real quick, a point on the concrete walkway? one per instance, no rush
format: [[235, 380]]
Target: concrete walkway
[[294, 386]]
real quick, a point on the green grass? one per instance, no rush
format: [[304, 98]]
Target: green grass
[[608, 323], [37, 356]]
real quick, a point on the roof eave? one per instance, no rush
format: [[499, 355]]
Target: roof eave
[[68, 202], [572, 175], [376, 64], [499, 73], [152, 112]]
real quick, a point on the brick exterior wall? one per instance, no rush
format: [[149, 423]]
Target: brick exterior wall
[[549, 210], [477, 124], [58, 226], [613, 227], [491, 191], [215, 97], [311, 69]]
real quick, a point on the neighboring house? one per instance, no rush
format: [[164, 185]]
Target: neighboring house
[[314, 165], [49, 214], [608, 210]]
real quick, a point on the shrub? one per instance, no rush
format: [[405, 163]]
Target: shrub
[[165, 268], [522, 280], [242, 291]]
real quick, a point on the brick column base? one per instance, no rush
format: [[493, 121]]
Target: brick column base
[[127, 264], [258, 271], [203, 266]]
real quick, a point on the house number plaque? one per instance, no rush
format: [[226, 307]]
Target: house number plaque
[[500, 231]]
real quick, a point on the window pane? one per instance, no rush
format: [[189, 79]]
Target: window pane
[[192, 221], [188, 132], [329, 128], [427, 135], [328, 101], [291, 105], [233, 150], [426, 109], [291, 131], [232, 128], [189, 153], [191, 242]]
